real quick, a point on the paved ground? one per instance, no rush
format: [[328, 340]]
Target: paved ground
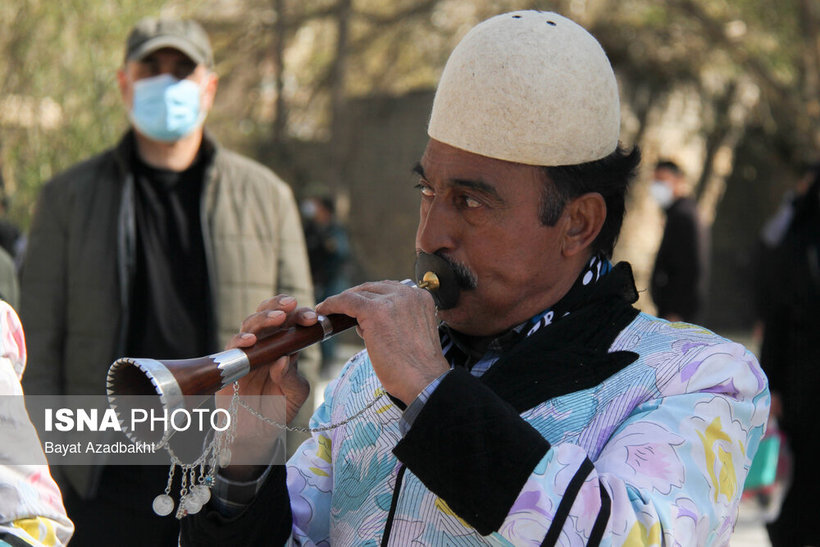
[[750, 530]]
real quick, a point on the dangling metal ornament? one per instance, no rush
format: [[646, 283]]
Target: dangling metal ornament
[[163, 505]]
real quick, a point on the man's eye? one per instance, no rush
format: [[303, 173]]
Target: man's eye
[[425, 190], [184, 70], [471, 203], [147, 70]]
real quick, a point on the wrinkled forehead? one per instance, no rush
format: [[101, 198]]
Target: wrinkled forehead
[[448, 165]]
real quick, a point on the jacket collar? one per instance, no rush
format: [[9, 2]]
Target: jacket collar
[[126, 150], [572, 354]]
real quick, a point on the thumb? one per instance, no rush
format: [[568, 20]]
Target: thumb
[[279, 369]]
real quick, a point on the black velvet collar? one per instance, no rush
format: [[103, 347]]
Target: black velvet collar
[[572, 354]]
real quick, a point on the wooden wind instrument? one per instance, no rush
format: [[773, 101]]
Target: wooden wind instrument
[[172, 380]]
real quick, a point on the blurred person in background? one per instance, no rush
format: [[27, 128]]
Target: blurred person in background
[[329, 254], [789, 304], [681, 274], [154, 248], [11, 242], [9, 281], [11, 238], [770, 237]]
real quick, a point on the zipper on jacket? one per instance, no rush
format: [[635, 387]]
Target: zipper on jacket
[[127, 257], [393, 504]]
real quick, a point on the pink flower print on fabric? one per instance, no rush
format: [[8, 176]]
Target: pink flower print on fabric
[[645, 456]]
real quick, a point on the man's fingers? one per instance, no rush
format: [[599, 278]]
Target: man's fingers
[[276, 312], [279, 369], [381, 296], [305, 317], [279, 302], [264, 320], [241, 340], [352, 301], [256, 324]]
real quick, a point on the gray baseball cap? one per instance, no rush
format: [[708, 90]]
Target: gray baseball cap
[[185, 35]]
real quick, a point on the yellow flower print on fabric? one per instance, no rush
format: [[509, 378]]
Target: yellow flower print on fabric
[[725, 482], [39, 529], [639, 536], [442, 506], [324, 450]]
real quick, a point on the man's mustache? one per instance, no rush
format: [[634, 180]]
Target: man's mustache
[[465, 278]]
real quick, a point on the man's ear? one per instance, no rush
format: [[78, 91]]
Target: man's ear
[[122, 80], [209, 90], [585, 217]]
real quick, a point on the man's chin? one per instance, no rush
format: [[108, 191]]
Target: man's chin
[[453, 318], [472, 318], [464, 319]]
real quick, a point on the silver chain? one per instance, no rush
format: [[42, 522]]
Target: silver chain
[[379, 394], [191, 496]]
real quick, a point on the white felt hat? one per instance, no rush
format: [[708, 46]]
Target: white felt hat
[[529, 87]]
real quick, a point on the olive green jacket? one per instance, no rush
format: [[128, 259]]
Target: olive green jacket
[[80, 258]]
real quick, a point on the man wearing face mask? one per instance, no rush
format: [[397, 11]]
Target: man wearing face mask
[[154, 248], [681, 274]]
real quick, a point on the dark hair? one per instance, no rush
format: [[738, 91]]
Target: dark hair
[[806, 206], [327, 203], [669, 165], [812, 169], [610, 176]]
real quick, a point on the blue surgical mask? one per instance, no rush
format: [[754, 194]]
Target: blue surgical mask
[[662, 193], [308, 209], [166, 109]]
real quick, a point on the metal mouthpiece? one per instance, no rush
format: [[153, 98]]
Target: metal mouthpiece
[[429, 281], [437, 276]]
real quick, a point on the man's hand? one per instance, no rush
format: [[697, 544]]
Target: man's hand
[[282, 377], [399, 328], [253, 437]]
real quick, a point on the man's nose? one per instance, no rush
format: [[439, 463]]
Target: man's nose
[[437, 228]]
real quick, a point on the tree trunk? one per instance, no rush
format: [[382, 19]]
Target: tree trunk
[[337, 98], [280, 121]]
